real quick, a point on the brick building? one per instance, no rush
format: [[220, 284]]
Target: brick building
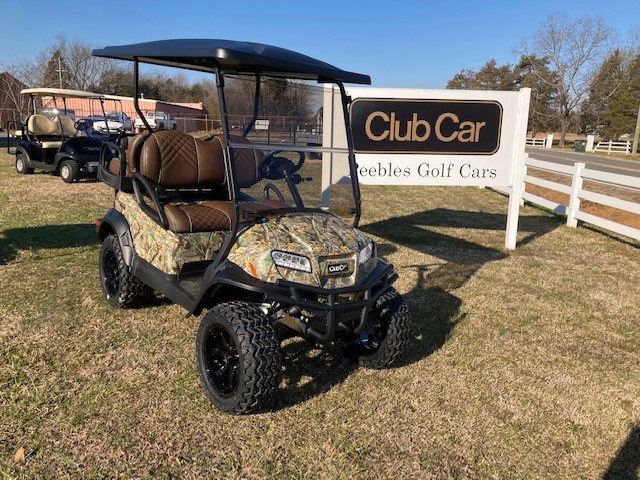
[[13, 106], [188, 116]]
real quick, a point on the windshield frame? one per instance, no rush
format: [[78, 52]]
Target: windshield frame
[[234, 192]]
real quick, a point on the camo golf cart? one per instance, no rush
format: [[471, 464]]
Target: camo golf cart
[[240, 225], [51, 138]]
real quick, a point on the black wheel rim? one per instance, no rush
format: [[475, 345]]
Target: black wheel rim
[[377, 334], [110, 273], [222, 361]]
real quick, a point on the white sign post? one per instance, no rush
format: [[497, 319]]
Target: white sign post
[[434, 137]]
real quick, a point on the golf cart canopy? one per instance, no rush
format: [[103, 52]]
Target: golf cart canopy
[[232, 57], [60, 93]]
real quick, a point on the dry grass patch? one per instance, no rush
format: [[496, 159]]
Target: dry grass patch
[[523, 364]]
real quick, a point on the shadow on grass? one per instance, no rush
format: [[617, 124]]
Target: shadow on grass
[[626, 465], [45, 237], [311, 375], [435, 310]]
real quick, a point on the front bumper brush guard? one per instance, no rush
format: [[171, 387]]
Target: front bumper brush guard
[[375, 286]]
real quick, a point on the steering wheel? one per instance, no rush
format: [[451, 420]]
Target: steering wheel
[[275, 168], [83, 125]]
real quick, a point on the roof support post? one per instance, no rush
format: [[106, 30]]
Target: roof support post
[[353, 171], [136, 94]]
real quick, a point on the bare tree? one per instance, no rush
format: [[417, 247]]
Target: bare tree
[[82, 71], [575, 49], [85, 69]]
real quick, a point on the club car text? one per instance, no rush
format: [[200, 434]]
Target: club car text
[[426, 126]]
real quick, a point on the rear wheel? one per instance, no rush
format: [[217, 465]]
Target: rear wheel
[[69, 171], [22, 164], [119, 286], [239, 358], [387, 332]]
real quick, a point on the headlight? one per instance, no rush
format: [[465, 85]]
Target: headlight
[[366, 253], [290, 260]]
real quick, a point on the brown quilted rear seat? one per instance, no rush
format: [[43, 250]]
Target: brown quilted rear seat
[[176, 160], [246, 161]]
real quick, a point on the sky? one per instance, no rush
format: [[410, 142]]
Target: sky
[[415, 44]]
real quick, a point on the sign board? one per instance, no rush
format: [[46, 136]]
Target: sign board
[[426, 126], [432, 137], [261, 124], [437, 137]]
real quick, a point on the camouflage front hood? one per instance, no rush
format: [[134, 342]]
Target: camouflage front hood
[[332, 248]]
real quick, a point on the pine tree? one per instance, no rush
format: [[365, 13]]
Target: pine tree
[[604, 86], [489, 77], [57, 73], [620, 117], [534, 73]]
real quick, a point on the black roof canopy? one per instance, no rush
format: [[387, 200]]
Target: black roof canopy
[[231, 56]]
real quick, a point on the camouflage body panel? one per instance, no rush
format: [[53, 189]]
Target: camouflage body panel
[[322, 238], [165, 250]]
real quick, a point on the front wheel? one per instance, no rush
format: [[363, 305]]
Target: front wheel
[[239, 358], [387, 332], [22, 164], [119, 286], [69, 171]]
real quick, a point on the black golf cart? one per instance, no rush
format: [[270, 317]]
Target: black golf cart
[[52, 140], [231, 223]]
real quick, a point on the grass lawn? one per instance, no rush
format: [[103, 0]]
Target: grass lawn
[[524, 364]]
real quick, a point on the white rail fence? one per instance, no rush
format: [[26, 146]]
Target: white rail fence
[[579, 173], [535, 142], [613, 147]]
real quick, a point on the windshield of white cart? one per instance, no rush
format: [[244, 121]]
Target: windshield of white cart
[[292, 135]]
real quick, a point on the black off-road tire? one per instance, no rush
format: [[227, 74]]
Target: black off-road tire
[[119, 287], [69, 171], [239, 358], [22, 164], [389, 332]]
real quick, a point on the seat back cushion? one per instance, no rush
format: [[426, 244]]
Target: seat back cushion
[[175, 159], [40, 125], [246, 163], [68, 126]]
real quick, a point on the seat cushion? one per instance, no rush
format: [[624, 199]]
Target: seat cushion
[[68, 126], [246, 163], [175, 159], [40, 125], [206, 216]]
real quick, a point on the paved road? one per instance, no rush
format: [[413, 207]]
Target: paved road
[[602, 163]]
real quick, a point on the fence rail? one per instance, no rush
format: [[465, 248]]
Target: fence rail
[[535, 142], [613, 147], [579, 173]]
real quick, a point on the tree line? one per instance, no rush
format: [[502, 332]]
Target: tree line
[[581, 79], [69, 64]]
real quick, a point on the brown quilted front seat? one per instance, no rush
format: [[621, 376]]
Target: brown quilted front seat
[[176, 160]]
